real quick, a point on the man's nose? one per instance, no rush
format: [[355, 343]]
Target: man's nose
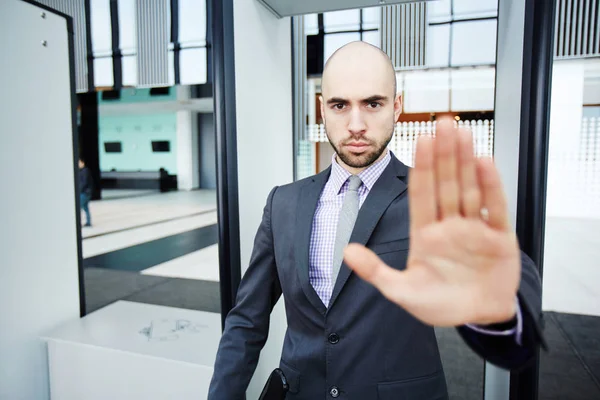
[[357, 125]]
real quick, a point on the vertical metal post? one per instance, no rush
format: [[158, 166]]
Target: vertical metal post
[[522, 112], [299, 85], [226, 153], [538, 55]]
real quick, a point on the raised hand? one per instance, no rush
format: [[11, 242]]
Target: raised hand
[[464, 262]]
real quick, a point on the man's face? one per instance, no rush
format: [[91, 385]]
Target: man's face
[[359, 110], [81, 165]]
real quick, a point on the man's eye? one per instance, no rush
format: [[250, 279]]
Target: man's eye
[[339, 106], [374, 105]]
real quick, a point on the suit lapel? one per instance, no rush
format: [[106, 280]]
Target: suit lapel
[[386, 189], [307, 206]]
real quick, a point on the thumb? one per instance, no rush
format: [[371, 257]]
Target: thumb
[[369, 267]]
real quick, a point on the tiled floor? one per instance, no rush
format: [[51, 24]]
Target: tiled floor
[[133, 212]]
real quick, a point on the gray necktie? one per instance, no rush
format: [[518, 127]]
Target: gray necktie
[[345, 225]]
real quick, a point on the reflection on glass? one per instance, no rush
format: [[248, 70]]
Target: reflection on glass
[[474, 8], [438, 46], [193, 66], [439, 11], [571, 295], [129, 64], [347, 20], [192, 22], [474, 43], [103, 72], [311, 24], [100, 26], [371, 18], [472, 89], [334, 42], [127, 25], [457, 80]]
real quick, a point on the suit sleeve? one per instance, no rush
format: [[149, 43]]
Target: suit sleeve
[[247, 325], [504, 351]]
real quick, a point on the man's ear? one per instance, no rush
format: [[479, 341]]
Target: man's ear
[[397, 107]]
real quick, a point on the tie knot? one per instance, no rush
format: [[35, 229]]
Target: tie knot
[[354, 183]]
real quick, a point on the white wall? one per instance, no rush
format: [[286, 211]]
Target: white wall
[[188, 173], [264, 137], [566, 106], [38, 241]]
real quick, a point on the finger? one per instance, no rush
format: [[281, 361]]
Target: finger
[[368, 266], [493, 196], [470, 193], [446, 149], [421, 187]]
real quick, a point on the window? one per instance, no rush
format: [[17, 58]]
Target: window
[[162, 146], [113, 147]]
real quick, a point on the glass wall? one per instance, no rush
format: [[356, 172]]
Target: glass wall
[[571, 299], [456, 79]]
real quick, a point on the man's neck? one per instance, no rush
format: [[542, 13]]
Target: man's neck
[[356, 171]]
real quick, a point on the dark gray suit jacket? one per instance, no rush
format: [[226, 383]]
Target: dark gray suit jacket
[[362, 346]]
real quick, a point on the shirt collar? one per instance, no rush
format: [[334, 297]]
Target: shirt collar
[[369, 176]]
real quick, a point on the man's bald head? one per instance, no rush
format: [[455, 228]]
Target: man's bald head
[[359, 104], [358, 60]]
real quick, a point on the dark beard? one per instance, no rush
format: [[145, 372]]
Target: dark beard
[[362, 161]]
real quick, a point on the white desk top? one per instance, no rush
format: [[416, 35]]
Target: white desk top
[[156, 331]]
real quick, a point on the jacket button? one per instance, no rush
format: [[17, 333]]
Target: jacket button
[[334, 338], [334, 392]]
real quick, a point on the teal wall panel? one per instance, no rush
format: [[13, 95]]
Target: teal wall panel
[[136, 133]]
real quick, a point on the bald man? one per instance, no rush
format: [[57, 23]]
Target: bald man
[[360, 316]]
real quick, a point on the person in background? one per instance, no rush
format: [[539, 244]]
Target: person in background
[[85, 187]]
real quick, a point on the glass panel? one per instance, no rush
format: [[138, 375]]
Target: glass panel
[[373, 37], [348, 20], [571, 293], [127, 26], [192, 22], [439, 11], [466, 94], [193, 66], [474, 8], [426, 91], [474, 43], [371, 18], [101, 27], [335, 41], [438, 46], [472, 89], [311, 24], [129, 64], [103, 72]]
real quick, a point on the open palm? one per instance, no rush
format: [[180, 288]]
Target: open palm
[[464, 262]]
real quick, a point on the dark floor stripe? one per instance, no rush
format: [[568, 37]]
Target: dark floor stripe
[[151, 223], [149, 254]]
